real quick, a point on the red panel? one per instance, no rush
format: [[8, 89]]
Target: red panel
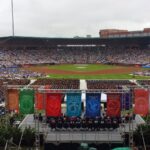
[[141, 102], [113, 105], [39, 101], [53, 105]]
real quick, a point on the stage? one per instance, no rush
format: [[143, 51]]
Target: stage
[[79, 136]]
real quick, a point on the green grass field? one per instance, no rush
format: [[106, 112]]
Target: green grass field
[[92, 67], [110, 76], [82, 67]]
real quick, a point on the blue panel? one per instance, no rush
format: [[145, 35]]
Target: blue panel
[[73, 104], [126, 101], [92, 104]]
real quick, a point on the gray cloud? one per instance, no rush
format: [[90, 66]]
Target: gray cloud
[[67, 18]]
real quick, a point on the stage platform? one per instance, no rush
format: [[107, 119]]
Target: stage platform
[[76, 136]]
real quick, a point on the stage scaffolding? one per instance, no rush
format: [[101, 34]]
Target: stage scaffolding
[[41, 89], [122, 90]]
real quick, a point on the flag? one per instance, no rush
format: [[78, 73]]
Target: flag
[[73, 104], [92, 104], [13, 100], [113, 105], [141, 99], [39, 101], [26, 98], [53, 104], [126, 102]]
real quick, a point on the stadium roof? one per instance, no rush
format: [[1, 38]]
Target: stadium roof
[[20, 41]]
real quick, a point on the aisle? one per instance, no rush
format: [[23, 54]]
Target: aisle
[[83, 85]]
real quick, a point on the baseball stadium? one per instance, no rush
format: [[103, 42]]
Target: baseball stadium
[[83, 58], [72, 77], [75, 93]]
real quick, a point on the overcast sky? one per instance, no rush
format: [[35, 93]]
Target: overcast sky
[[68, 18]]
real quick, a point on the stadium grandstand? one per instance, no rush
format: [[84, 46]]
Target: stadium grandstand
[[19, 51], [26, 50], [76, 55]]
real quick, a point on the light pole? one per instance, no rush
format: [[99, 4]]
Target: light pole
[[12, 17]]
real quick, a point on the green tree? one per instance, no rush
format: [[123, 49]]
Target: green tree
[[16, 135], [28, 137], [138, 135], [2, 140]]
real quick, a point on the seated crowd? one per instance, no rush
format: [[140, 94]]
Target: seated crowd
[[142, 73], [58, 83], [144, 82], [85, 123], [14, 81], [75, 55], [18, 73], [108, 84]]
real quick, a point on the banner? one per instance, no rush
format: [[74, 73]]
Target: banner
[[113, 105], [73, 104], [92, 104], [126, 102], [141, 98], [53, 104], [39, 101], [13, 100], [26, 101]]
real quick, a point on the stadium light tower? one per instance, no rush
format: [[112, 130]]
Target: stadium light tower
[[12, 15]]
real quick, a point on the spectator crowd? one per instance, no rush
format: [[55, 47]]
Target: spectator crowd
[[144, 82], [74, 55], [12, 60], [108, 84], [142, 73], [58, 83]]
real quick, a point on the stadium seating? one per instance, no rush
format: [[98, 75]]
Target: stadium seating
[[74, 55], [11, 60], [58, 83], [144, 82], [105, 84]]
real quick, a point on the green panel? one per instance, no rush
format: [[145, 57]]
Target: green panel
[[26, 98]]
